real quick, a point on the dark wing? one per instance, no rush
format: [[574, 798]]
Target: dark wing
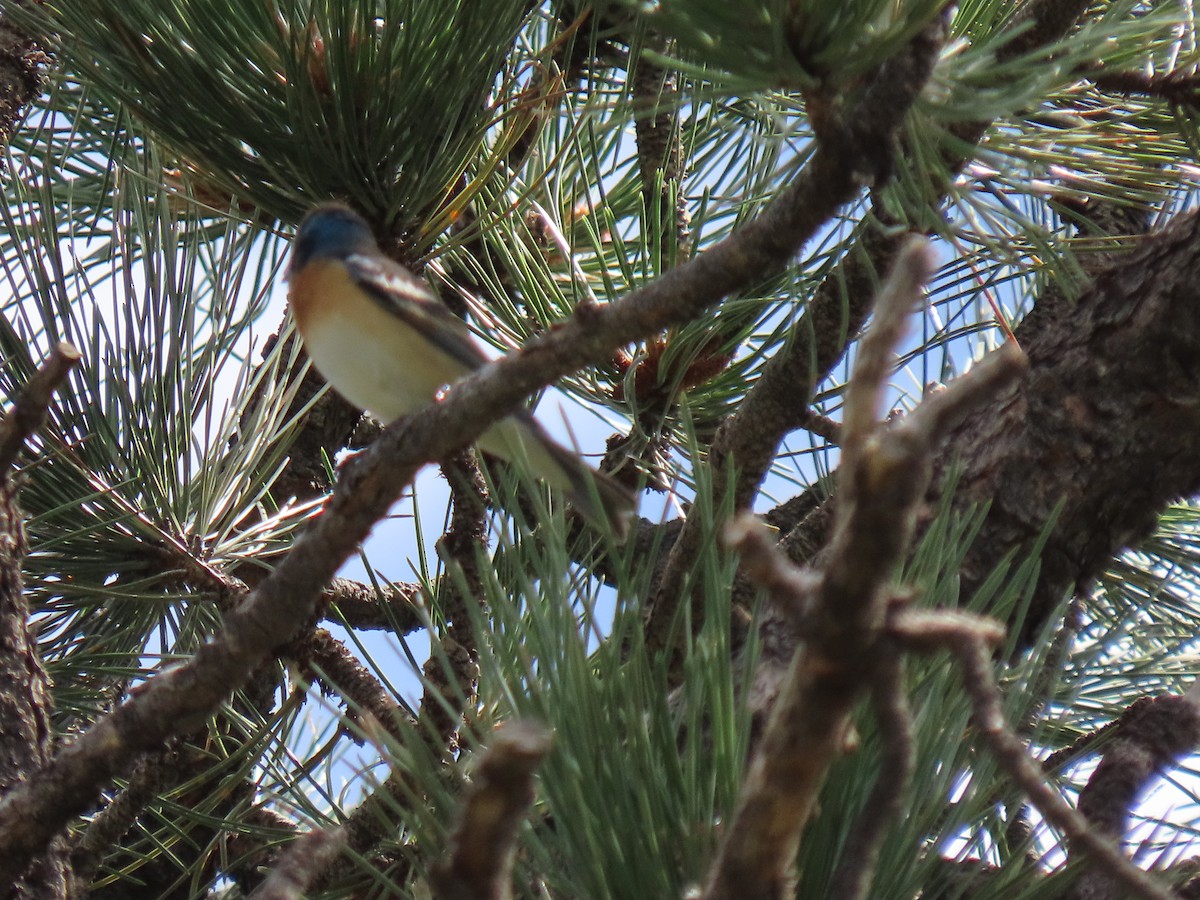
[[405, 296]]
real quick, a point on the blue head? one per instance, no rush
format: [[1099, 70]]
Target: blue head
[[331, 231]]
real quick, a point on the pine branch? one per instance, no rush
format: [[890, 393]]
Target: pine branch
[[1179, 88], [839, 163], [181, 698], [452, 678]]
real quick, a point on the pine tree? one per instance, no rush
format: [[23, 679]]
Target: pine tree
[[887, 307]]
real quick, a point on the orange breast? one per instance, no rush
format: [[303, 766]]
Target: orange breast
[[314, 290], [373, 358]]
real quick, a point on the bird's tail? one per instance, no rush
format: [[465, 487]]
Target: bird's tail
[[598, 497]]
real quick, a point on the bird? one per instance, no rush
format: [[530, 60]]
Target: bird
[[385, 342]]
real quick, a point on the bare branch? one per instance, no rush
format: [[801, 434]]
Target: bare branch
[[792, 590], [152, 777], [364, 607], [451, 678], [300, 865], [340, 670], [822, 426], [480, 857], [943, 410], [1079, 748], [856, 868], [880, 482], [970, 639], [31, 407], [930, 630], [897, 300]]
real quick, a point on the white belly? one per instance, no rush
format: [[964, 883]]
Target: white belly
[[390, 374], [378, 363]]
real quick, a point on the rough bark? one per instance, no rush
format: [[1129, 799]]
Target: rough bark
[[26, 731], [1105, 422]]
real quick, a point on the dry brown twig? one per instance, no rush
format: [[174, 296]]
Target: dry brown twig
[[31, 407], [971, 639], [841, 607], [300, 865], [852, 880], [480, 857]]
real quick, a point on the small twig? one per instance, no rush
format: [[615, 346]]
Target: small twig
[[660, 148], [1011, 755], [451, 673], [451, 683], [970, 639], [364, 607], [338, 670], [931, 630], [856, 868], [452, 677], [823, 427], [941, 411], [790, 589], [151, 779], [569, 59], [1177, 88], [30, 409], [897, 301], [479, 862], [253, 851], [301, 864], [1078, 748]]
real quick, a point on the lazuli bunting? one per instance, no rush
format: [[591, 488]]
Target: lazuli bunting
[[388, 345]]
